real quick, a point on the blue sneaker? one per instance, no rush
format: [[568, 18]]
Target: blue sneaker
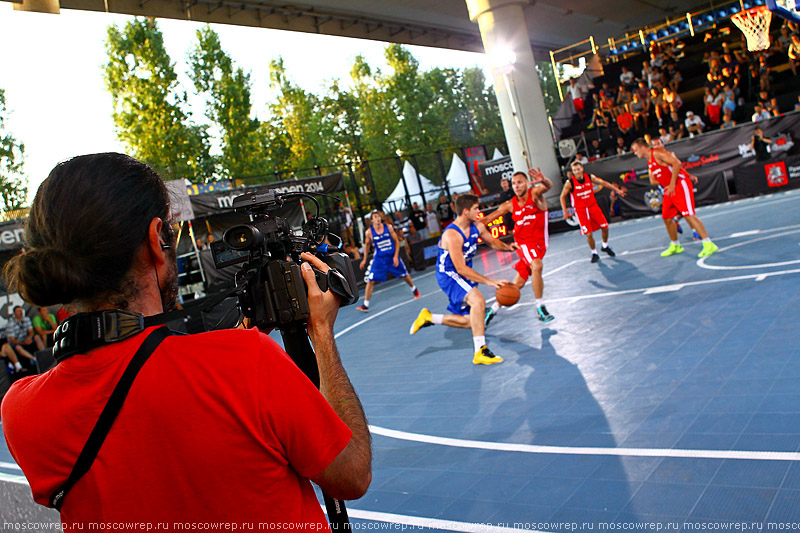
[[544, 316], [488, 318]]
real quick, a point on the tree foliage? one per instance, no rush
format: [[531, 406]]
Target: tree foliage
[[374, 116], [149, 106], [229, 106], [13, 184]]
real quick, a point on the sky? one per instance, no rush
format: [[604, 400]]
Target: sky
[[51, 70]]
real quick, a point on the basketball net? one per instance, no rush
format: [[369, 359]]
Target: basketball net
[[754, 23]]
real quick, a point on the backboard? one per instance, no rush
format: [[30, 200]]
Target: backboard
[[788, 9]]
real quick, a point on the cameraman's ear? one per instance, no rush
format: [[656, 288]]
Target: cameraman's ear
[[155, 241]]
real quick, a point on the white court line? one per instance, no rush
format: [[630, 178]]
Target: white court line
[[19, 480], [746, 233], [586, 450], [432, 523], [702, 261], [12, 466], [656, 289], [664, 288]]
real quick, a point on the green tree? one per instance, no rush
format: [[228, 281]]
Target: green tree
[[229, 106], [13, 184], [149, 106], [302, 123]]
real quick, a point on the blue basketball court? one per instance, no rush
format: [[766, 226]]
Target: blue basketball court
[[663, 397]]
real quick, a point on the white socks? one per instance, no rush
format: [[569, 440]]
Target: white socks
[[605, 245], [539, 302], [413, 288], [495, 307], [437, 319], [676, 243], [17, 366], [366, 303], [479, 342]]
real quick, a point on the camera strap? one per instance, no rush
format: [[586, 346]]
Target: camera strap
[[109, 414]]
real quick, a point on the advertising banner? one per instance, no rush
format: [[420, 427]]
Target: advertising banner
[[493, 171], [710, 153], [764, 176]]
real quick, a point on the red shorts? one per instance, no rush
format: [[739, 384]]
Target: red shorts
[[527, 252], [578, 104], [682, 202], [591, 219]]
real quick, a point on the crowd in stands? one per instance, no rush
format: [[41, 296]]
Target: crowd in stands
[[25, 336], [654, 100]]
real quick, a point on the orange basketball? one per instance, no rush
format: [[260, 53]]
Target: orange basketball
[[507, 295]]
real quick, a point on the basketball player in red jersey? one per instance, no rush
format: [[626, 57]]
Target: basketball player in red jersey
[[584, 205], [528, 209], [665, 170]]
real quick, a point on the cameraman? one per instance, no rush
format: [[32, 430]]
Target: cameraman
[[760, 144], [219, 426]]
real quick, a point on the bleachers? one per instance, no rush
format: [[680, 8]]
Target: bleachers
[[694, 70]]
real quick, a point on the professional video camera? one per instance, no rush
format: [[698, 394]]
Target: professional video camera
[[272, 292]]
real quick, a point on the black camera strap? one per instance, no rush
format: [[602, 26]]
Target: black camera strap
[[109, 414]]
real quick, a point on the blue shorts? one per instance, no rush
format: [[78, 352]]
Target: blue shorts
[[456, 288], [381, 266]]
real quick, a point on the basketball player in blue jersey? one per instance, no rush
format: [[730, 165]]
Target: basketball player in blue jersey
[[386, 259], [459, 281]]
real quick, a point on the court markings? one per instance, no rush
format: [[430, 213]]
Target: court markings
[[586, 450], [702, 261]]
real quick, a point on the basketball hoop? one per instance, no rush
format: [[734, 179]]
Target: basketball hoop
[[754, 23]]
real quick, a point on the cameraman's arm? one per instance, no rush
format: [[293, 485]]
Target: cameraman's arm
[[349, 475]]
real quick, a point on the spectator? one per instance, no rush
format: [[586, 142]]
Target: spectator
[[672, 99], [444, 211], [794, 53], [346, 224], [760, 144], [596, 151], [419, 221], [727, 122], [714, 101], [624, 97], [664, 135], [640, 111], [759, 114], [694, 124], [506, 193], [576, 91], [626, 79], [432, 221], [45, 324], [768, 103], [267, 428], [200, 244], [729, 105], [625, 122], [622, 147], [659, 106], [21, 337]]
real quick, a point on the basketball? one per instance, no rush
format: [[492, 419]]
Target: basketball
[[507, 295]]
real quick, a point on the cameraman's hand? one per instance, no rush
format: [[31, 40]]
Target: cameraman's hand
[[323, 306]]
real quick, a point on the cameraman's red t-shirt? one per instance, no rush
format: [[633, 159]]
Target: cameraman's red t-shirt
[[217, 428]]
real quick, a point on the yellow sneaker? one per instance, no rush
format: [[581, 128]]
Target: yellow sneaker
[[484, 356], [672, 250], [708, 249], [424, 319]]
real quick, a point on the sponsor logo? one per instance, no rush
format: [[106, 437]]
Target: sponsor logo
[[781, 143], [776, 174], [652, 199], [11, 236], [694, 161], [501, 168]]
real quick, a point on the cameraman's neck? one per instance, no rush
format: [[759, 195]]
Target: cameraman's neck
[[146, 300]]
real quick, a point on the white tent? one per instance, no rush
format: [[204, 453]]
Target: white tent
[[497, 154], [457, 176], [397, 200]]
